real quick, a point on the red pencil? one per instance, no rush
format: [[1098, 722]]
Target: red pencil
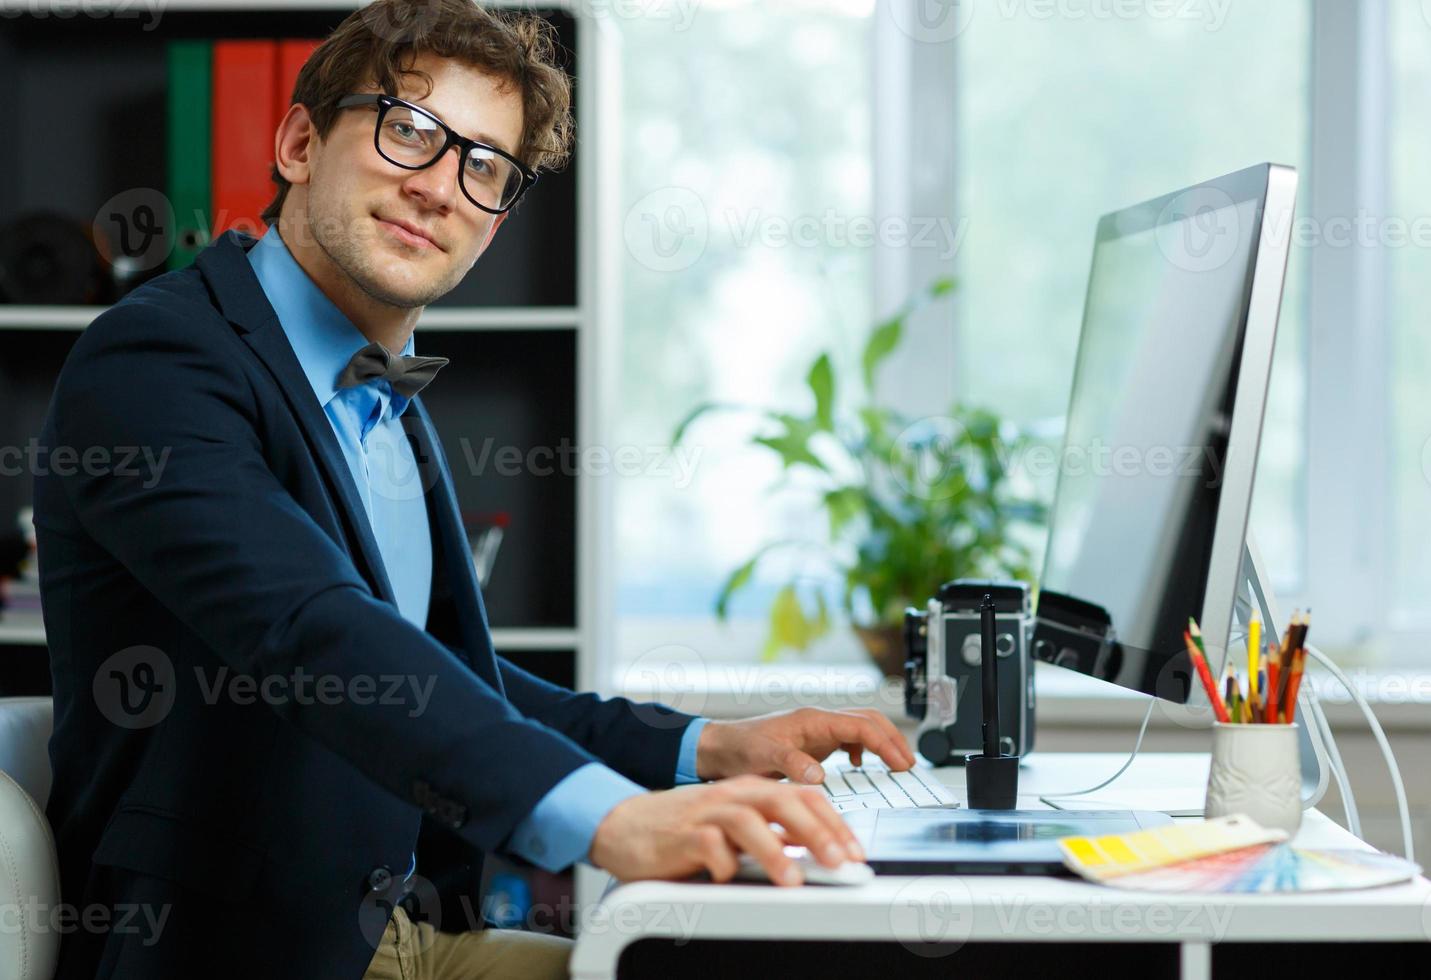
[[1273, 669], [1205, 675]]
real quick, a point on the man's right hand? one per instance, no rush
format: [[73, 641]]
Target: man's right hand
[[676, 833]]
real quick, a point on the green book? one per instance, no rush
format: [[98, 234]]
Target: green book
[[188, 147]]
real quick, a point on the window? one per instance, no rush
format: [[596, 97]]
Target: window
[[745, 170], [1062, 111], [1409, 279], [1069, 111]]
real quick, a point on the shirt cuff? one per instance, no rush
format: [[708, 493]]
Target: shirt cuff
[[686, 761], [558, 831]]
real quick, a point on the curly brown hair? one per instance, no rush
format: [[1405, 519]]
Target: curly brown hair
[[377, 44]]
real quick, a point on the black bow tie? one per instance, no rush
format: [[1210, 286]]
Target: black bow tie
[[407, 375]]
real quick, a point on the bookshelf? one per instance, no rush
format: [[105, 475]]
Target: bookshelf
[[521, 329], [516, 328]]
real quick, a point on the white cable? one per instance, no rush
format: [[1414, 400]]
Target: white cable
[[1143, 730], [1314, 714], [1391, 767], [1333, 756]]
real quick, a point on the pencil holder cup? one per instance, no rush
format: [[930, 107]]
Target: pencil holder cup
[[1257, 771]]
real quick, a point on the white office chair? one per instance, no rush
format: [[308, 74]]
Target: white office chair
[[29, 871]]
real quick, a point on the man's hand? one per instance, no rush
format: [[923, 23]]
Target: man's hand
[[793, 743], [678, 832]]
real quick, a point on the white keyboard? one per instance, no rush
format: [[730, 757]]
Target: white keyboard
[[873, 787]]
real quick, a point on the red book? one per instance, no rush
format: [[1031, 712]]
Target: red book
[[292, 53], [245, 78]]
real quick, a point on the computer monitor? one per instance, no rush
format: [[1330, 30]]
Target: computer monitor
[[1150, 515]]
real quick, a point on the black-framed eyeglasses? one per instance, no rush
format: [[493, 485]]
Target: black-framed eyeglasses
[[410, 137]]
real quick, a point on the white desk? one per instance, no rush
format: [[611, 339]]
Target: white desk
[[953, 911]]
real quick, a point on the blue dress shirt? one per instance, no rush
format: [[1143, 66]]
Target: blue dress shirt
[[366, 420]]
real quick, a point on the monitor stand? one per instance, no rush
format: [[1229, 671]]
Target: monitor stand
[[1314, 734]]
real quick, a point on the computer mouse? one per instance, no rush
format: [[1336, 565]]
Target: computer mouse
[[815, 873]]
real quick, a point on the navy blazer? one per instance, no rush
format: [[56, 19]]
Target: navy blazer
[[268, 827]]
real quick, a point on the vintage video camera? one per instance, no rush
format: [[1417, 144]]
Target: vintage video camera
[[943, 675]]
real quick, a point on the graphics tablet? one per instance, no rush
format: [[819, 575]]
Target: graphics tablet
[[988, 842]]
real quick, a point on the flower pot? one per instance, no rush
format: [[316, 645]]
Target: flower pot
[[885, 645]]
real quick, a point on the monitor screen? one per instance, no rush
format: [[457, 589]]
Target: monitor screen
[[1140, 475]]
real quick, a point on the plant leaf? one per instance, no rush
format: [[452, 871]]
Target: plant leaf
[[880, 345], [790, 627], [885, 337], [793, 444], [787, 623], [694, 414], [736, 581], [821, 380], [942, 286], [741, 576], [844, 504]]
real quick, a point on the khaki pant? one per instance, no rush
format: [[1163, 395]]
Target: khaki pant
[[420, 952]]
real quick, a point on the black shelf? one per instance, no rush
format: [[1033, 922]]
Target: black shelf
[[505, 409], [30, 361], [556, 666]]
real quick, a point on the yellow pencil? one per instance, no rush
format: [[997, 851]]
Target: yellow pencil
[[1254, 636]]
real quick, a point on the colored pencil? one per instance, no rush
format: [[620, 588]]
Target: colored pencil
[[1299, 640], [1298, 661], [1196, 635], [1284, 659], [1270, 712], [1254, 636], [1205, 675]]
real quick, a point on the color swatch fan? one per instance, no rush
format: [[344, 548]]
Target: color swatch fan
[[1227, 855]]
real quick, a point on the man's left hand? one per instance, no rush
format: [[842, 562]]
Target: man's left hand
[[793, 743]]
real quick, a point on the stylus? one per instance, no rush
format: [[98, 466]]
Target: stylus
[[991, 678]]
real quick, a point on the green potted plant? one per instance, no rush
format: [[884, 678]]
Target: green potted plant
[[911, 503]]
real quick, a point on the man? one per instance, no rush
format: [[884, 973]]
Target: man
[[220, 631]]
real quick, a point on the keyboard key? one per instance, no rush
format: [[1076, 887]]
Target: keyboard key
[[858, 781], [910, 783], [893, 794], [941, 793], [873, 787]]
